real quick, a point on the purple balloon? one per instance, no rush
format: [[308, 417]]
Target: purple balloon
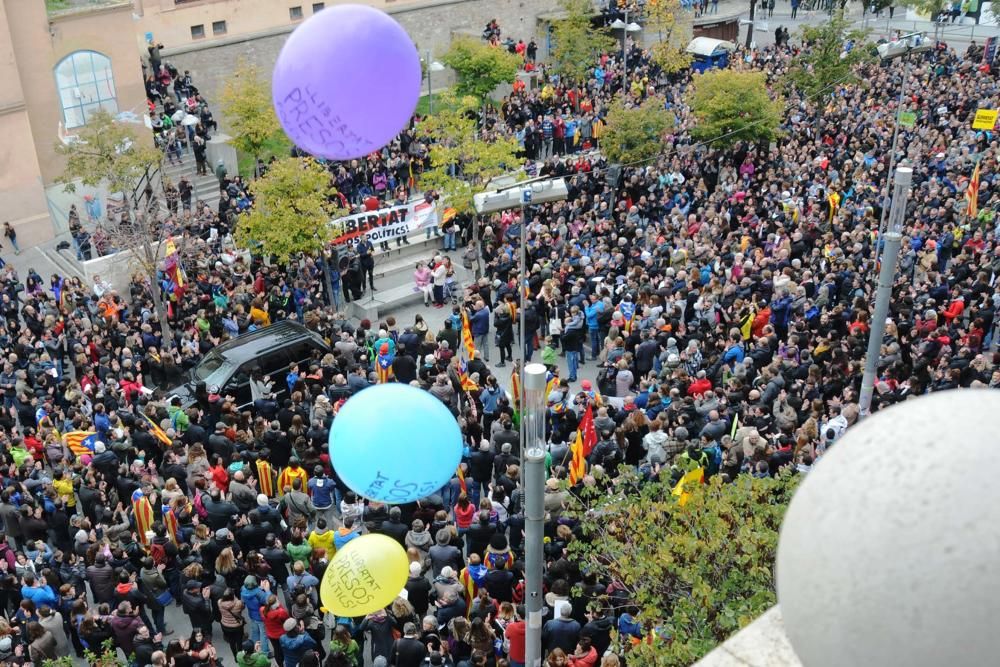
[[346, 82]]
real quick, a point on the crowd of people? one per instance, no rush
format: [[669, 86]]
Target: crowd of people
[[724, 294]]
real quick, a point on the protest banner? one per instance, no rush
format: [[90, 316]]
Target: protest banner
[[384, 224]]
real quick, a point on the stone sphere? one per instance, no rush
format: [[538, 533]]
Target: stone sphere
[[890, 549]]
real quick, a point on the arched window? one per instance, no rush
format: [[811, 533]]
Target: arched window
[[85, 84]]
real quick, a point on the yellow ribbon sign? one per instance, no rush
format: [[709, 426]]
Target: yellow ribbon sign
[[986, 119]]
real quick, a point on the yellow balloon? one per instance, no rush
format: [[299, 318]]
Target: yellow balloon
[[364, 576]]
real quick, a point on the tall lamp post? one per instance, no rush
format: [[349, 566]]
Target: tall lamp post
[[893, 238], [904, 46], [626, 28], [432, 66], [532, 427]]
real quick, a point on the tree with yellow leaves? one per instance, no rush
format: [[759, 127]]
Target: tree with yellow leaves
[[248, 111], [672, 27]]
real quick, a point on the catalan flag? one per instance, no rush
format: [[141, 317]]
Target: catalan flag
[[290, 473], [170, 522], [81, 443], [551, 385], [143, 513], [696, 476], [972, 194], [158, 432], [265, 478], [577, 463], [461, 480], [467, 341]]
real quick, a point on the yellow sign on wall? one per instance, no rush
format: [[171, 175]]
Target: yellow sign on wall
[[986, 119]]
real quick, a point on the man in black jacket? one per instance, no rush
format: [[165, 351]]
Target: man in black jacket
[[408, 650], [478, 536], [481, 470], [394, 526]]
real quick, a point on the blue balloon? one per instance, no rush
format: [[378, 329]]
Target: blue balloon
[[395, 443]]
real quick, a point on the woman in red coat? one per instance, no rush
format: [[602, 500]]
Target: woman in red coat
[[274, 616]]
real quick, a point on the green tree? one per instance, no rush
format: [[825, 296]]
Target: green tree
[[697, 573], [576, 42], [249, 113], [635, 133], [672, 27], [111, 154], [823, 65], [293, 205], [731, 106], [479, 67], [456, 143]]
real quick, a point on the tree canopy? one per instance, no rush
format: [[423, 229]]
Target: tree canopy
[[636, 133], [479, 67], [672, 26], [109, 153], [248, 111], [697, 572], [576, 41], [731, 106], [827, 63], [457, 141], [293, 204]]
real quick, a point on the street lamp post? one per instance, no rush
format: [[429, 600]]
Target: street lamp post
[[626, 28], [432, 66], [532, 427], [533, 448], [893, 238]]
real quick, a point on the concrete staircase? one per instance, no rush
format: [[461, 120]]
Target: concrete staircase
[[206, 188], [394, 276]]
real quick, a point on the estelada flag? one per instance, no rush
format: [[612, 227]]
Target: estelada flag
[[383, 368], [265, 478], [143, 512], [468, 384], [158, 432], [81, 443], [577, 464], [589, 431], [972, 194]]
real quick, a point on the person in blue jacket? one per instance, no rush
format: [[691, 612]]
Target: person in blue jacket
[[295, 642], [255, 596], [38, 592], [592, 311]]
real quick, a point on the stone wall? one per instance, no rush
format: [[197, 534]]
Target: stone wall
[[431, 24]]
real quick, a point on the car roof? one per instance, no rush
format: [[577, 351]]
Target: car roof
[[253, 344]]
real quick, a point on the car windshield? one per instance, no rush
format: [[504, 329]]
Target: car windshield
[[209, 366]]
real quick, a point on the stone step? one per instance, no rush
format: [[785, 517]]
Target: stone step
[[385, 301]]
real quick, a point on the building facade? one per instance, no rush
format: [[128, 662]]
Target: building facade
[[56, 69]]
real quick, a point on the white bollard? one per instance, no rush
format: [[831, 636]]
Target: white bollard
[[889, 551]]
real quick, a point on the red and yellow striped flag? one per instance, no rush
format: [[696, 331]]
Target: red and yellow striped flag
[[158, 432], [290, 473], [143, 515], [170, 522], [467, 341], [972, 194], [265, 478], [461, 480]]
